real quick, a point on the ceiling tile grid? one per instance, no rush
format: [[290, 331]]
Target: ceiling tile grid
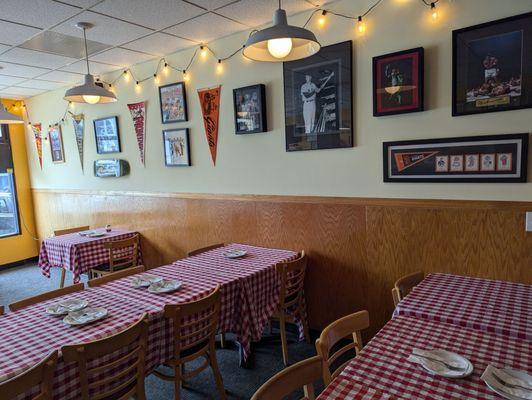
[[159, 44]]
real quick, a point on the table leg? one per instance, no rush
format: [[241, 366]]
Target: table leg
[[63, 273]]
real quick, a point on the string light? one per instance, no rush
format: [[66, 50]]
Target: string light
[[361, 25], [203, 52], [165, 69], [155, 78], [186, 76], [219, 67], [126, 75], [322, 19], [433, 11]]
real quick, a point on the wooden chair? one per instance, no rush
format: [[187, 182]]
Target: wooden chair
[[45, 296], [194, 326], [340, 329], [291, 298], [41, 375], [302, 374], [204, 249], [60, 232], [1, 310], [122, 254], [404, 285], [122, 377], [116, 275]]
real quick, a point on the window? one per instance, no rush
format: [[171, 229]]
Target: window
[[9, 219]]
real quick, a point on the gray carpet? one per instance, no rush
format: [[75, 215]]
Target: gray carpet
[[19, 282]]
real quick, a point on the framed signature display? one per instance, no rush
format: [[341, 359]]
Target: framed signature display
[[107, 135], [56, 144], [494, 158]]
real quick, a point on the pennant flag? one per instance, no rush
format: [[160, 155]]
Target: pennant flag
[[37, 129], [210, 107], [78, 121], [138, 113], [406, 160]]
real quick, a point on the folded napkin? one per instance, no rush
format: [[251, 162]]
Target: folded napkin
[[86, 315], [439, 361], [494, 378]]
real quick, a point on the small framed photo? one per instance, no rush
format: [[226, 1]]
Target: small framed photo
[[487, 162], [176, 148], [504, 161], [107, 135], [472, 162], [398, 82], [173, 103], [457, 163], [442, 163], [250, 109], [56, 144]]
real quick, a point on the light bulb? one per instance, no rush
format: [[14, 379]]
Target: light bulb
[[361, 26], [186, 76], [165, 69], [91, 99], [219, 67], [322, 19], [280, 48], [203, 52], [126, 76], [433, 11]]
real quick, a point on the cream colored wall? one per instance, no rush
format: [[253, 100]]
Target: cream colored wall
[[258, 163]]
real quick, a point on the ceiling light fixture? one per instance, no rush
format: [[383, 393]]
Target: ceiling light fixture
[[281, 42], [9, 118], [89, 92]]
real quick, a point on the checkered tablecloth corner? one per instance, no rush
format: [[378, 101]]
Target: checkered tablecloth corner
[[341, 388]]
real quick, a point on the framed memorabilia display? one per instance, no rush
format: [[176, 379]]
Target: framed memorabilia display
[[176, 148], [110, 168], [494, 158], [56, 144], [492, 66], [250, 109], [318, 99], [173, 103], [398, 82], [107, 135]]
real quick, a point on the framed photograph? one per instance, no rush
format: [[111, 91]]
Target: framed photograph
[[398, 82], [176, 148], [110, 168], [56, 144], [492, 66], [318, 100], [107, 135], [493, 158], [173, 103], [250, 109]]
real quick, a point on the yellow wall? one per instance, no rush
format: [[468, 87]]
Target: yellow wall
[[20, 247]]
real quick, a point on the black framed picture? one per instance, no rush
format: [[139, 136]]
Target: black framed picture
[[173, 103], [318, 99], [250, 109], [107, 135], [398, 82], [176, 148], [56, 144], [492, 66], [493, 158]]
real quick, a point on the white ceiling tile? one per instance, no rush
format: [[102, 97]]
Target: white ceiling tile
[[212, 5], [37, 13], [106, 29], [23, 71], [35, 58], [4, 47], [156, 14], [10, 80], [81, 3], [61, 76], [124, 57], [44, 85], [24, 91], [96, 68], [206, 28], [159, 44], [7, 94], [16, 34]]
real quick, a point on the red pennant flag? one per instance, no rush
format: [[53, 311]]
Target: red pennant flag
[[406, 160], [210, 107], [138, 113], [37, 129]]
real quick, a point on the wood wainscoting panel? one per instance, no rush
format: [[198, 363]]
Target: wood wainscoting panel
[[357, 247]]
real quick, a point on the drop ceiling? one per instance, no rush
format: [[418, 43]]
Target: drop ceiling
[[40, 45]]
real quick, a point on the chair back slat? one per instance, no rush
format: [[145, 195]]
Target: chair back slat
[[405, 284], [122, 253], [45, 296], [40, 375], [60, 232], [204, 249], [116, 275], [292, 276], [124, 354]]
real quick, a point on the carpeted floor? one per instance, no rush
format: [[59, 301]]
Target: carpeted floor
[[19, 282]]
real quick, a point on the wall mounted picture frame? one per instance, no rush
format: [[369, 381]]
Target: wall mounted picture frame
[[173, 103], [107, 135], [56, 144], [398, 82], [492, 66], [318, 99], [490, 158], [250, 109], [110, 168], [176, 148]]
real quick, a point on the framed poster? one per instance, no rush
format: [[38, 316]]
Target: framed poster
[[492, 66], [56, 144], [398, 82], [110, 168], [173, 102], [107, 135], [318, 99], [250, 109], [494, 158], [176, 148]]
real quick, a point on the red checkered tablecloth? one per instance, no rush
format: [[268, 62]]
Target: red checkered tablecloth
[[382, 366], [504, 308], [77, 253]]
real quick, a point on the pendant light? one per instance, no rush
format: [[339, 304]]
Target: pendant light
[[281, 42], [9, 118], [89, 92]]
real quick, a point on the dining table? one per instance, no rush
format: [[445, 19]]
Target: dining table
[[79, 253]]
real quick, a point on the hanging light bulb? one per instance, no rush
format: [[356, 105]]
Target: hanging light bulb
[[280, 48], [156, 78], [219, 67], [203, 52], [186, 76], [361, 25], [126, 75], [165, 69], [322, 20], [433, 11]]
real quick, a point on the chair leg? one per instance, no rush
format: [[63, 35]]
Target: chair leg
[[304, 321], [216, 372], [177, 382], [284, 344], [63, 273], [222, 340]]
